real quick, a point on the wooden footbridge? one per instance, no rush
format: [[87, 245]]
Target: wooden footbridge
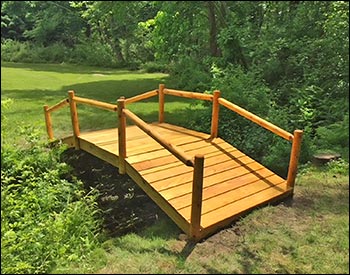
[[199, 180]]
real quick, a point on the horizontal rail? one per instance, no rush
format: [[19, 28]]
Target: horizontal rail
[[59, 105], [96, 103], [141, 96], [148, 130], [267, 125], [188, 94]]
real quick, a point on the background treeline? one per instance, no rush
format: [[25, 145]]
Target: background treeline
[[286, 61]]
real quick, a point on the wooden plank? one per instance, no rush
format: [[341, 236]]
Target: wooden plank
[[150, 144], [213, 227], [212, 151], [69, 140], [237, 206], [175, 128], [170, 191], [214, 204], [170, 172], [183, 201], [208, 158], [99, 152], [161, 202], [212, 174]]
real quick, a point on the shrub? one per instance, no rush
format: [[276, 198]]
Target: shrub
[[46, 217]]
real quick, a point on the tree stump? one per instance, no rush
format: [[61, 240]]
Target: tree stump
[[323, 158]]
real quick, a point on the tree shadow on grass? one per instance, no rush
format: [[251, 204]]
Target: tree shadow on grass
[[68, 68]]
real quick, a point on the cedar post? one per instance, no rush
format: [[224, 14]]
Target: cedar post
[[197, 192], [215, 115], [294, 157], [74, 117], [48, 123], [161, 103], [121, 135]]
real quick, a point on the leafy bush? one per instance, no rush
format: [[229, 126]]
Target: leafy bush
[[334, 136], [15, 51], [93, 53], [155, 67], [190, 74], [46, 217], [87, 53]]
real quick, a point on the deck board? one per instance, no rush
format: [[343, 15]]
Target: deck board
[[233, 183]]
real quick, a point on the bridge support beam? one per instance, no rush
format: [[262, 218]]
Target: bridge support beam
[[121, 135], [215, 115], [197, 193], [74, 117], [294, 157]]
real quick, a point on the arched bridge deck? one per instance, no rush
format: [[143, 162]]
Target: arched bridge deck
[[199, 180]]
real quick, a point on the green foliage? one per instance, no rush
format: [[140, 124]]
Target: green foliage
[[91, 53], [339, 166], [46, 217], [334, 136], [153, 67], [189, 74]]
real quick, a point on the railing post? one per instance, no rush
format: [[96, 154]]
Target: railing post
[[161, 103], [48, 123], [74, 117], [197, 192], [294, 157], [121, 135], [215, 115]]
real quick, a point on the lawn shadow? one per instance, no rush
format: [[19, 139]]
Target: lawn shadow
[[68, 68]]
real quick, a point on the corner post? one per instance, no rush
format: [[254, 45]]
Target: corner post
[[48, 123], [74, 117], [215, 115], [197, 193], [161, 103], [121, 135], [294, 157]]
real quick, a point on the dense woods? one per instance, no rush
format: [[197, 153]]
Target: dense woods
[[286, 61]]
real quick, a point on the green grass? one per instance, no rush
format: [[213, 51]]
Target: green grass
[[309, 237], [31, 86]]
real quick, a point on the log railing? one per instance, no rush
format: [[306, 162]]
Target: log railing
[[197, 162]]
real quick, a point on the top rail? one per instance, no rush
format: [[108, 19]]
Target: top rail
[[177, 152], [59, 105], [96, 103], [188, 94], [258, 120], [141, 96]]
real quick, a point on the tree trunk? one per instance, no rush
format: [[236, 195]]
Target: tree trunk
[[214, 49]]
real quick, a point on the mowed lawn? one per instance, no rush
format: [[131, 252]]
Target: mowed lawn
[[30, 86]]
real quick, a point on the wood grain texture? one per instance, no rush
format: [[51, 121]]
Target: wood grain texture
[[233, 182]]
